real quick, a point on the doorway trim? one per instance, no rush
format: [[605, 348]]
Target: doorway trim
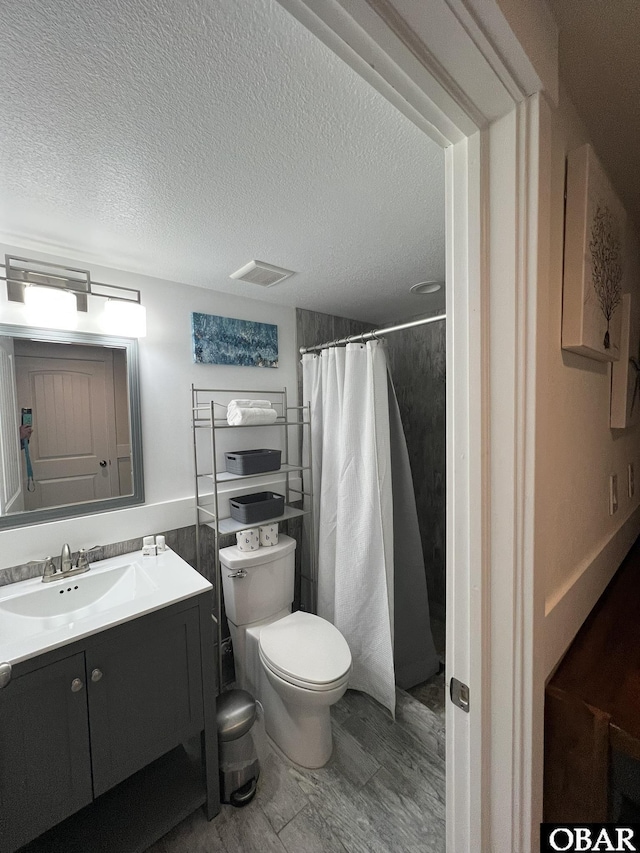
[[455, 68]]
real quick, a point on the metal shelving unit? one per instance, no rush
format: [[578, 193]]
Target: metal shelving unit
[[209, 406]]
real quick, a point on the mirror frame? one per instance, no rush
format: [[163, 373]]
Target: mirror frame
[[130, 345]]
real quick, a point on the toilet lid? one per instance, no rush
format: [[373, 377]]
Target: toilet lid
[[305, 647]]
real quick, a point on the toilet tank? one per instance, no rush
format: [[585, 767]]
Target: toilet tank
[[267, 587]]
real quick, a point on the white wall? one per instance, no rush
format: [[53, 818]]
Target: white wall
[[166, 373], [535, 28], [579, 545]]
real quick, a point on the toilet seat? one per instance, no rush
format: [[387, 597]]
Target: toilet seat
[[299, 682], [306, 651]]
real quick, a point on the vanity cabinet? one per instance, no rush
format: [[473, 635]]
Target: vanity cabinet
[[45, 763], [73, 728], [144, 690]]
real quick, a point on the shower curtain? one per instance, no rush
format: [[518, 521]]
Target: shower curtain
[[354, 517]]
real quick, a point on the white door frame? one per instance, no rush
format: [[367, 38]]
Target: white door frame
[[455, 68]]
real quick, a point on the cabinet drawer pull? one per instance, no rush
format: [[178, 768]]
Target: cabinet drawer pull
[[96, 675], [5, 674], [76, 685]]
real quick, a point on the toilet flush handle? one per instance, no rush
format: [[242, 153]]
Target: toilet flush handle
[[239, 574]]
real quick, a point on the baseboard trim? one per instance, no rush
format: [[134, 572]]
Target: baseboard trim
[[568, 607]]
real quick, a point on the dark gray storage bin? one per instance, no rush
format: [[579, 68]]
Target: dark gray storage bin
[[252, 461], [250, 509]]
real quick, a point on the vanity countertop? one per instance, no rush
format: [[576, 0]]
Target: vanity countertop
[[38, 617]]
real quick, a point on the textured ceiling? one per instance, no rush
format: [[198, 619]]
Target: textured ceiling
[[600, 66], [183, 139]]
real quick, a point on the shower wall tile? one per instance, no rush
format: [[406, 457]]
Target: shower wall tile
[[313, 328], [417, 360]]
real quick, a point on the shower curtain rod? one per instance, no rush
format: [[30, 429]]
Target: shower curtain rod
[[368, 336]]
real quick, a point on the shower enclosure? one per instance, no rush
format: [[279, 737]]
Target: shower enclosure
[[371, 577]]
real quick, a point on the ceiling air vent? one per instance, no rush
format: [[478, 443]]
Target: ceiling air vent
[[257, 272]]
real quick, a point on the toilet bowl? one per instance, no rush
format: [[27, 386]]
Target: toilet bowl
[[296, 664]]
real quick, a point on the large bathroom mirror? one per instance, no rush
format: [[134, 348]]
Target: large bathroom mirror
[[70, 428]]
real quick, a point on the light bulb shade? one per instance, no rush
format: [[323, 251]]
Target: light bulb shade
[[128, 319], [51, 307]]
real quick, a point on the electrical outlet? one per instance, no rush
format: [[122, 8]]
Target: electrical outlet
[[630, 479], [613, 494]]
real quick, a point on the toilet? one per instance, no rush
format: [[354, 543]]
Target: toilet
[[296, 664]]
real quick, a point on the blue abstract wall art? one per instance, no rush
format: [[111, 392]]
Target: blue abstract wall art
[[225, 340]]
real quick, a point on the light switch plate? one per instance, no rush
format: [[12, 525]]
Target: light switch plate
[[613, 494]]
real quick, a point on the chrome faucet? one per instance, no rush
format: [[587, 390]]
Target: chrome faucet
[[67, 569], [65, 559], [50, 571]]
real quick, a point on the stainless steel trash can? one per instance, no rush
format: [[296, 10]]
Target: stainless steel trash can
[[239, 766]]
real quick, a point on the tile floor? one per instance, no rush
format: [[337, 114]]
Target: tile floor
[[432, 692], [382, 791]]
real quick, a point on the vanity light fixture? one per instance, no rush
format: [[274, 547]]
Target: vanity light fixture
[[124, 318], [54, 293], [50, 307]]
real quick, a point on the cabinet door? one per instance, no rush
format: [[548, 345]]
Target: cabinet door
[[45, 768], [145, 694]]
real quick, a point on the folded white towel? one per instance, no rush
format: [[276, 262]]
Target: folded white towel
[[244, 416], [250, 404]]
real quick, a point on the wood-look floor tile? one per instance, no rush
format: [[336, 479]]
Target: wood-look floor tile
[[431, 694], [350, 759], [343, 808], [247, 830], [308, 832], [422, 781], [383, 791], [413, 734], [422, 722], [278, 794], [420, 769], [401, 822]]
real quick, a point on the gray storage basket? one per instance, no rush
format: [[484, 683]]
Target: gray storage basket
[[250, 509], [252, 461]]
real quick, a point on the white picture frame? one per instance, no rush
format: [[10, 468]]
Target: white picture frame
[[595, 223], [625, 373]]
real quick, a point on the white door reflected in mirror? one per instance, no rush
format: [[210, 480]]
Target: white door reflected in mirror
[[79, 402]]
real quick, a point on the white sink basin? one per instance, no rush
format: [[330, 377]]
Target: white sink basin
[[36, 617], [54, 604]]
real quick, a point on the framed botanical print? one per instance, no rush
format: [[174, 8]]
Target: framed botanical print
[[595, 224]]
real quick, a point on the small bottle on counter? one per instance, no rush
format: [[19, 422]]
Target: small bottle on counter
[[161, 544], [148, 547]]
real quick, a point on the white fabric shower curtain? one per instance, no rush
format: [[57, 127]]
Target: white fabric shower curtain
[[347, 388]]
